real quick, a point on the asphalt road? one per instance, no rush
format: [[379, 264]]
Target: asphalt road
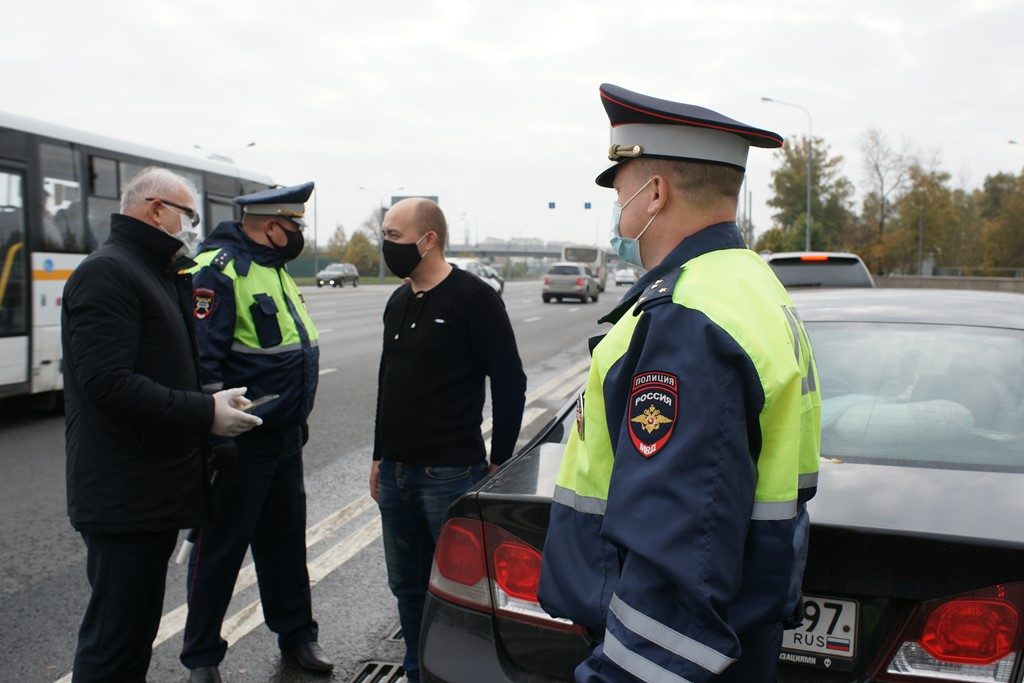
[[43, 588]]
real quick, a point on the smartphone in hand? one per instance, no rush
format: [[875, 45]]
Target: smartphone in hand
[[259, 401]]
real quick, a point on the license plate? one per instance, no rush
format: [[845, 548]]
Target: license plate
[[827, 638]]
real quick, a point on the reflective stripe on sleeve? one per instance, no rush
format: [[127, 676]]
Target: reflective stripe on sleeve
[[768, 512], [808, 480], [571, 499], [675, 642], [641, 667], [242, 348], [214, 386]]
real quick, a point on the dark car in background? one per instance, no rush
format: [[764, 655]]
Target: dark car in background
[[819, 269], [337, 274], [916, 563]]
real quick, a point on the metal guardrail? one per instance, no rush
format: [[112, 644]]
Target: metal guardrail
[[995, 284]]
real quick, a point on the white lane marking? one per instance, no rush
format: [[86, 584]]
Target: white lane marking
[[242, 622], [327, 371], [574, 309], [325, 331], [533, 320], [174, 621]]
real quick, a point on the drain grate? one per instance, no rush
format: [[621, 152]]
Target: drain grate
[[377, 672], [395, 635]]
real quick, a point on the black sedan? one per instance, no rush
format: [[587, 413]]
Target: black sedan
[[916, 563]]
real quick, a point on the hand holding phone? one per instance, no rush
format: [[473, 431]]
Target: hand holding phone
[[258, 402]]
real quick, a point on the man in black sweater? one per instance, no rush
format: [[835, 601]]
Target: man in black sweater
[[445, 330], [136, 419]]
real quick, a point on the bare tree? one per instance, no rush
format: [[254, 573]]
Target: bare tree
[[887, 172]]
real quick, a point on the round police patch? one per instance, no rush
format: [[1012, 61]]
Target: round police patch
[[203, 301], [653, 409]]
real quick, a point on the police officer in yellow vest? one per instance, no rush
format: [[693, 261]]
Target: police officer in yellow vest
[[253, 330], [678, 530]]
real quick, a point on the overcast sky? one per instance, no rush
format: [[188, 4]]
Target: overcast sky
[[493, 106]]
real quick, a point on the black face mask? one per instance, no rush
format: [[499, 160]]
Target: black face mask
[[402, 259], [296, 242]]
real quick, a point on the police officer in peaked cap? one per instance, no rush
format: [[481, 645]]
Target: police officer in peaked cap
[[679, 529], [253, 327]]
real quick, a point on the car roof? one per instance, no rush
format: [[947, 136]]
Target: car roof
[[923, 306], [568, 263], [797, 254]]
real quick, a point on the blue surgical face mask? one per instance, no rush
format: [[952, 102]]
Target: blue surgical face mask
[[628, 248]]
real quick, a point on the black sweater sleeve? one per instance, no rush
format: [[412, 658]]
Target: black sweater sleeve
[[493, 344]]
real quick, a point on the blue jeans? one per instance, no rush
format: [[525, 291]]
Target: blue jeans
[[413, 500]]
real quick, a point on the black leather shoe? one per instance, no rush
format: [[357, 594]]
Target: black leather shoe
[[204, 674], [311, 656]]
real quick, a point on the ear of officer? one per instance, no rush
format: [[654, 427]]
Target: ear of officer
[[652, 200]]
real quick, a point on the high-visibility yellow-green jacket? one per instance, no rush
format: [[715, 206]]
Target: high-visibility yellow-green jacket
[[678, 521], [252, 326]]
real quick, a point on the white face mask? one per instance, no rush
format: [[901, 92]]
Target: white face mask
[[188, 236]]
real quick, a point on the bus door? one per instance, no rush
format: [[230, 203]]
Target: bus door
[[14, 284]]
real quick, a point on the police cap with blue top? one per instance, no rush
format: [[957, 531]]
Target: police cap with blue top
[[649, 127], [286, 202]]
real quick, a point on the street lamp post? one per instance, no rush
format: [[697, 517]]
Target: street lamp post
[[810, 155], [380, 226]]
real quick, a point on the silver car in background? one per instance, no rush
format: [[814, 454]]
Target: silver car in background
[[569, 281]]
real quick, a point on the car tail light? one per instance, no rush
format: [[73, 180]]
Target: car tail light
[[472, 557], [972, 637], [579, 282], [515, 577], [459, 572], [814, 257], [547, 281]]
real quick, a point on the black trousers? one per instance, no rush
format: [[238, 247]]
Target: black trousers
[[127, 573], [263, 506]]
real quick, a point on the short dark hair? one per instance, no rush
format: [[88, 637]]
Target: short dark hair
[[704, 185], [429, 217]]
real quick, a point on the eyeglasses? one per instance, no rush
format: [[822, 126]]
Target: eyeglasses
[[191, 213]]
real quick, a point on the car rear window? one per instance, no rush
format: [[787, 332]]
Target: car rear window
[[921, 394], [834, 271], [564, 270]]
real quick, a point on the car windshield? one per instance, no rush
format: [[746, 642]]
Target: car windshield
[[929, 395], [837, 271], [564, 270], [337, 267]]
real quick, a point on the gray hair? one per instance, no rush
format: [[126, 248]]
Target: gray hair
[[153, 182]]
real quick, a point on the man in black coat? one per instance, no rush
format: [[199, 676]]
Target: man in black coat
[[136, 419]]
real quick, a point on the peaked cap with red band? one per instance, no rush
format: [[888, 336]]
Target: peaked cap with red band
[[644, 126]]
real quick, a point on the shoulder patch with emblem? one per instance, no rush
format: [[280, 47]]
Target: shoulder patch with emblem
[[203, 301], [653, 410]]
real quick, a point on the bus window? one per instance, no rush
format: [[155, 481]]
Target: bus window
[[219, 210], [128, 172], [63, 226], [13, 280], [103, 200], [104, 178]]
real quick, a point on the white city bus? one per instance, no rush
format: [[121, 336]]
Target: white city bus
[[595, 257], [58, 187]]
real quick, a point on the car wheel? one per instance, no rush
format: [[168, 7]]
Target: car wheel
[[547, 299], [584, 299], [558, 299], [355, 283], [319, 284], [595, 297]]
